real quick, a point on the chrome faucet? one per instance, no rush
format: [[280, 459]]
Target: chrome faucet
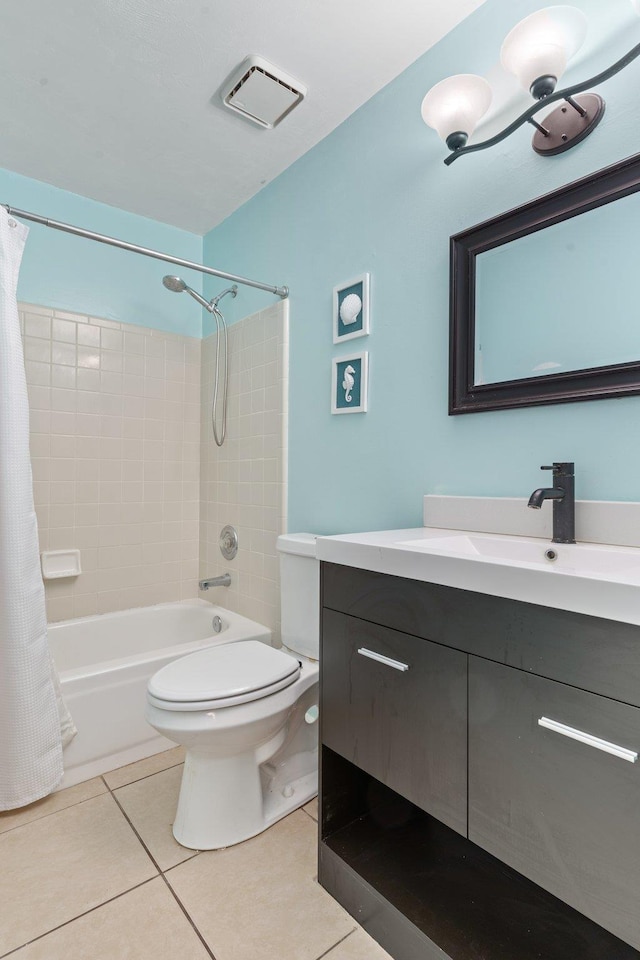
[[564, 501], [222, 581]]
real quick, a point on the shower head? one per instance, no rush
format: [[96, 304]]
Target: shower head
[[175, 284]]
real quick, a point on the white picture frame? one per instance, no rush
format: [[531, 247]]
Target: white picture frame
[[347, 323], [350, 383]]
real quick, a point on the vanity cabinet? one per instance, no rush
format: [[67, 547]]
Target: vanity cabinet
[[453, 824], [397, 707]]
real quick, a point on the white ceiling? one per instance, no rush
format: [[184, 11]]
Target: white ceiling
[[115, 99]]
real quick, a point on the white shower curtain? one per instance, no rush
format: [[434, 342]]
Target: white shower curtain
[[30, 737]]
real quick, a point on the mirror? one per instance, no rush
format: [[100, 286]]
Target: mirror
[[543, 298]]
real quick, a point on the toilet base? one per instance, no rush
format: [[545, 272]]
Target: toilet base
[[282, 798], [246, 765], [211, 816]]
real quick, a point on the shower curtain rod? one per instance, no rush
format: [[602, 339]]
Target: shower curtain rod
[[282, 292]]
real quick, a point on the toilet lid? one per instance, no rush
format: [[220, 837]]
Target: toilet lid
[[232, 672]]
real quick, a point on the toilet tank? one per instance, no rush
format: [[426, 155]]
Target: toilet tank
[[300, 593]]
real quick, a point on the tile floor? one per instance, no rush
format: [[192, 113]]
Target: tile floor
[[93, 873]]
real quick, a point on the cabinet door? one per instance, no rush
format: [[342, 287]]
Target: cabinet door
[[402, 718], [546, 796]]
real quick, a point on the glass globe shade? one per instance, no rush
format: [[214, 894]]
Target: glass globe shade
[[542, 44], [456, 104]]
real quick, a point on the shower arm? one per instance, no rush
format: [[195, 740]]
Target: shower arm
[[282, 292]]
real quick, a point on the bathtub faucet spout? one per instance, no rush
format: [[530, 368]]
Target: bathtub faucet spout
[[223, 581]]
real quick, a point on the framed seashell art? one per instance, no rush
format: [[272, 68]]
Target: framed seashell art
[[351, 309], [350, 383]]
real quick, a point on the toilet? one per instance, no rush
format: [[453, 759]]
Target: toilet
[[246, 714]]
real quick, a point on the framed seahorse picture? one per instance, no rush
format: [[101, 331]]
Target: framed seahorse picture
[[350, 383], [351, 309]]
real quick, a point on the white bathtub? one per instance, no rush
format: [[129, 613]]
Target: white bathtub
[[104, 664]]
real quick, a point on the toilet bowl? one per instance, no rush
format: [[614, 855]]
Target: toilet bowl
[[246, 714]]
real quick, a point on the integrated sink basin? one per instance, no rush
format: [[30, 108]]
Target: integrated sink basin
[[601, 580], [578, 559]]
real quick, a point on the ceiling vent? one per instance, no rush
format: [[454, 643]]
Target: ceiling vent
[[261, 92]]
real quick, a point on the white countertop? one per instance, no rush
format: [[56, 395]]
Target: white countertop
[[390, 552]]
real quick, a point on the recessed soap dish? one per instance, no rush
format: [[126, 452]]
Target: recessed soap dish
[[60, 563]]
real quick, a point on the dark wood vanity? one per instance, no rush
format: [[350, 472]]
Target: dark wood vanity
[[454, 825]]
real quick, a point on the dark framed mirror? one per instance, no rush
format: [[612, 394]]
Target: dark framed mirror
[[544, 298]]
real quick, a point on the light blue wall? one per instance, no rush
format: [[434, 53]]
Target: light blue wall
[[375, 196], [71, 273]]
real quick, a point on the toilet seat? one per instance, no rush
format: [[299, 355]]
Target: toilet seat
[[223, 676]]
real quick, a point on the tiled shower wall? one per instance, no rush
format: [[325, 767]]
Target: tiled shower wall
[[243, 483], [115, 446]]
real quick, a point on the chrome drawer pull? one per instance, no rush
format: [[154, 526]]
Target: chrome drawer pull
[[396, 664], [589, 739]]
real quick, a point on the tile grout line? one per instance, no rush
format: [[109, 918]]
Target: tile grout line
[[86, 799], [337, 943], [162, 873], [124, 892], [53, 812], [144, 846], [137, 779], [187, 915], [108, 790], [78, 917]]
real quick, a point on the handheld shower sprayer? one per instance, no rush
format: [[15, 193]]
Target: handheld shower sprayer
[[177, 285]]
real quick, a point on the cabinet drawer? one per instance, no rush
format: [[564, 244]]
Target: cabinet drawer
[[549, 798], [401, 718], [602, 656]]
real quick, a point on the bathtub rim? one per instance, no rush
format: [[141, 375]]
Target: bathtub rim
[[105, 763], [253, 629]]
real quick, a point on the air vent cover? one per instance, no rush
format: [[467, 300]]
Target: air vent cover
[[262, 92]]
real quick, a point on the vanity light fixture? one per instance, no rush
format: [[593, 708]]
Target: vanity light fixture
[[536, 51]]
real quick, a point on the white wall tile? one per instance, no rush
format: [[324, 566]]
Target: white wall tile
[[126, 470], [242, 483], [88, 435]]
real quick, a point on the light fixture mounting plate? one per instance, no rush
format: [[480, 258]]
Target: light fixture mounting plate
[[567, 127]]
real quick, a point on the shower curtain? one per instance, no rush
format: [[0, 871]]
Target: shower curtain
[[30, 718]]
